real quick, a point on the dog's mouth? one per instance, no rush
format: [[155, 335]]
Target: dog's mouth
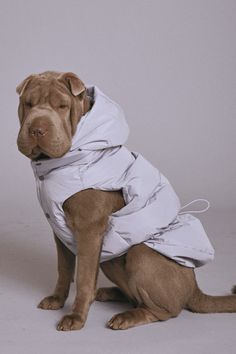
[[45, 152], [42, 156], [38, 154]]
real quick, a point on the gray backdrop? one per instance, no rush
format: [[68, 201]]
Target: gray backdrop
[[170, 65]]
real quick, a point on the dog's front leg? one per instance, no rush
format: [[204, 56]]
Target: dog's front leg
[[65, 266], [87, 216]]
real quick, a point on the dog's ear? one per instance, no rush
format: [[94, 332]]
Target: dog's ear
[[78, 89], [22, 86], [75, 85], [20, 90]]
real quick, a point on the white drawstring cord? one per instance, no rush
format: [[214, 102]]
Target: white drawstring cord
[[195, 211]]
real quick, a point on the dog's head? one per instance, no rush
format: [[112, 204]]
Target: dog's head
[[51, 105]]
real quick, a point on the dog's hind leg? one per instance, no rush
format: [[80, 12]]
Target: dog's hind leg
[[114, 270], [135, 317], [111, 294], [157, 287]]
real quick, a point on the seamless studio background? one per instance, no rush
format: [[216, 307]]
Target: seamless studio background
[[171, 66]]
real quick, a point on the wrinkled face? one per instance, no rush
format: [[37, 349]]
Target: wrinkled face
[[50, 107]]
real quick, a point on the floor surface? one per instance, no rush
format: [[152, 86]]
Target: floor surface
[[28, 273]]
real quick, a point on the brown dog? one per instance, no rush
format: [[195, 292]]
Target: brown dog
[[51, 105]]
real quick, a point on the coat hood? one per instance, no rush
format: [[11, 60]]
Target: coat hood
[[103, 126]]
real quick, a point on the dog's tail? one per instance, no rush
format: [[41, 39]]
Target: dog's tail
[[202, 303]]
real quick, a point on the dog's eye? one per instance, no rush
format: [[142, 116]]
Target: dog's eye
[[28, 104], [63, 106]]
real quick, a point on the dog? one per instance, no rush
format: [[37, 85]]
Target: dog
[[51, 108]]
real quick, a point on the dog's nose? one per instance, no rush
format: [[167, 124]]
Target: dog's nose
[[37, 131], [38, 128]]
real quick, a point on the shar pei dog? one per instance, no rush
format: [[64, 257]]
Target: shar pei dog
[[108, 207]]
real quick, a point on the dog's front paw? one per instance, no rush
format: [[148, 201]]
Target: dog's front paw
[[53, 302], [70, 322]]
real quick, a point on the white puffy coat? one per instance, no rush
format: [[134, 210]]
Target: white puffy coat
[[97, 159]]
